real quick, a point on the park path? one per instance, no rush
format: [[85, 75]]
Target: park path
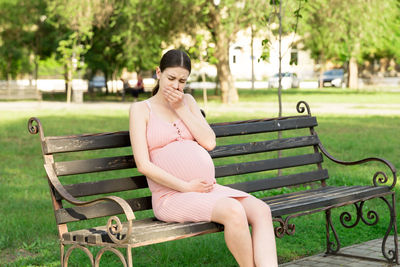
[[267, 109], [370, 249]]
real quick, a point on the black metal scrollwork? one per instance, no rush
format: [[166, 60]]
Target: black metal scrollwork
[[346, 217], [301, 109], [391, 254], [380, 178], [35, 126], [115, 231], [279, 230], [332, 247], [284, 227]]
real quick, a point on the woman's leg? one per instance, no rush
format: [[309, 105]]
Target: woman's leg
[[230, 213], [263, 237]]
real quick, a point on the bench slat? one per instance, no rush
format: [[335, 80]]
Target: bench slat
[[61, 144], [102, 209], [137, 182], [264, 126], [267, 165], [106, 186], [86, 142], [322, 197], [124, 162], [281, 181], [94, 165], [108, 209], [147, 231], [263, 146], [151, 231]]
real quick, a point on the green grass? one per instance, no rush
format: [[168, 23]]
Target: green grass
[[325, 95], [328, 95], [29, 236]]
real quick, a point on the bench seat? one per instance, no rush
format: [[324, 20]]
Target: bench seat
[[151, 231]]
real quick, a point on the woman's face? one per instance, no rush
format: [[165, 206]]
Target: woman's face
[[173, 78]]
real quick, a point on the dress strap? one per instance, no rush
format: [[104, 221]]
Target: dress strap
[[148, 104]]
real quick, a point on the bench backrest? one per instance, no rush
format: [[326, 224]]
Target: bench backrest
[[246, 158]]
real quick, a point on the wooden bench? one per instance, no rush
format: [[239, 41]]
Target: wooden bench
[[101, 181], [17, 92]]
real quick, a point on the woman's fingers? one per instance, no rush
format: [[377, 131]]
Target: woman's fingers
[[173, 95], [207, 186], [201, 186]]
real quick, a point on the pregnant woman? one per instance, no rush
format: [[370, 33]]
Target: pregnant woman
[[170, 139]]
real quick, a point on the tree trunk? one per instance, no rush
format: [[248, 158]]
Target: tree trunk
[[203, 78], [322, 69], [229, 93], [353, 73], [69, 84], [36, 71], [106, 76], [252, 58]]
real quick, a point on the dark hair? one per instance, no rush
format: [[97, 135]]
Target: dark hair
[[173, 58]]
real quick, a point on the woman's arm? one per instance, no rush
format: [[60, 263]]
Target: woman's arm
[[197, 124], [137, 132]]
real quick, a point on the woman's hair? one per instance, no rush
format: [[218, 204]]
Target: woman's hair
[[173, 58]]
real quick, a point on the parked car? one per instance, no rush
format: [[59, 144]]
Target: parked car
[[98, 82], [289, 80], [334, 77]]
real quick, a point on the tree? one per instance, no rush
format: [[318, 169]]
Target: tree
[[17, 34], [107, 50], [222, 19], [286, 25], [344, 31], [135, 35], [78, 18]]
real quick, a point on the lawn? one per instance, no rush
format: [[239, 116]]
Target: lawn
[[28, 228]]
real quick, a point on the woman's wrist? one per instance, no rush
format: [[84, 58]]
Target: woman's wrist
[[185, 187]]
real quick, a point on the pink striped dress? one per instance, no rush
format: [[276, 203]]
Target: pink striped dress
[[173, 148]]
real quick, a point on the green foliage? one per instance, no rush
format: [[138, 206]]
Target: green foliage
[[18, 35], [50, 67], [291, 13], [339, 30]]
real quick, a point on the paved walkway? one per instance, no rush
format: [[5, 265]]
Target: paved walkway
[[370, 249], [266, 109]]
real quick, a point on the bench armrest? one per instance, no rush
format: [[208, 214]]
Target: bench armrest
[[380, 177], [112, 230]]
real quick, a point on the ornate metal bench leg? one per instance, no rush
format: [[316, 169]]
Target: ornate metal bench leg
[[129, 256], [113, 250], [84, 249], [331, 247], [392, 255], [62, 254]]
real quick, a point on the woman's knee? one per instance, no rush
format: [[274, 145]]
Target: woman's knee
[[229, 211], [257, 210]]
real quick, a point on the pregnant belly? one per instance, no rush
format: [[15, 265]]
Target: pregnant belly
[[186, 160]]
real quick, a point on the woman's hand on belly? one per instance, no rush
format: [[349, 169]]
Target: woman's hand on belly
[[199, 185]]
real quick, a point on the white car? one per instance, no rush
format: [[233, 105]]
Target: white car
[[289, 80]]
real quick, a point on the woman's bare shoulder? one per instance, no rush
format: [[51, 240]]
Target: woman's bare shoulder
[[139, 109], [189, 99]]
